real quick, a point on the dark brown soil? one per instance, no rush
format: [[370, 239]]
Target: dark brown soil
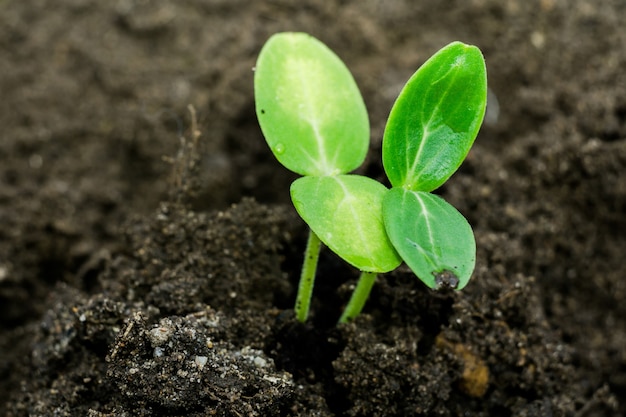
[[146, 271]]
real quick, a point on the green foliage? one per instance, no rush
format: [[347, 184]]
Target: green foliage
[[345, 211], [315, 122], [436, 118], [432, 237], [309, 107], [430, 130]]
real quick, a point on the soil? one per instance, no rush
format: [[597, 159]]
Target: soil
[[148, 266]]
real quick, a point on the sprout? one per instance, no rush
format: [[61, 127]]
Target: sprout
[[315, 122]]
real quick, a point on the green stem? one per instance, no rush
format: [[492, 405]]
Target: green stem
[[307, 278], [359, 296]]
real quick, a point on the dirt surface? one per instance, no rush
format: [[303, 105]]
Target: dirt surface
[[146, 270]]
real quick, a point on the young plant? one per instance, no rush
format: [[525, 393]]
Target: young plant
[[314, 120], [430, 130]]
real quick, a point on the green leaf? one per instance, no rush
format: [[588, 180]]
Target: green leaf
[[345, 212], [309, 106], [436, 118], [432, 237]]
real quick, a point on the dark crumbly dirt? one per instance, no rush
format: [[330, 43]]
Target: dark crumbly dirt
[[142, 274]]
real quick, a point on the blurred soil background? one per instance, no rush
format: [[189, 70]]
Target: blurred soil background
[[146, 270]]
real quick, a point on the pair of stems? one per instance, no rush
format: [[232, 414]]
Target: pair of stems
[[307, 281]]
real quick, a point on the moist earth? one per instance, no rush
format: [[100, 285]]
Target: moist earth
[[149, 253]]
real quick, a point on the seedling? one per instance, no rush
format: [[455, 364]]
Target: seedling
[[430, 130], [315, 121]]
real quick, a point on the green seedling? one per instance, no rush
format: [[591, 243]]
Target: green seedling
[[430, 130], [315, 121]]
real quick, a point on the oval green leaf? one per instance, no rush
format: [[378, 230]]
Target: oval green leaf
[[431, 236], [309, 106], [436, 118], [345, 212]]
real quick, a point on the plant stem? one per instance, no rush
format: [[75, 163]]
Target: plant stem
[[307, 278], [359, 296]]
